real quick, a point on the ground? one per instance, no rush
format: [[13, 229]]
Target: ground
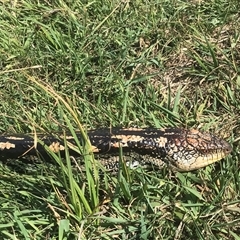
[[78, 65]]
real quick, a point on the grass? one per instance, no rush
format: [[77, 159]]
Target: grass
[[77, 65]]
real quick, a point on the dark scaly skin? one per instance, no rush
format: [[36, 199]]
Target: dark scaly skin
[[181, 149]]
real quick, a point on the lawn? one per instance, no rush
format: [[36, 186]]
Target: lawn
[[69, 66]]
